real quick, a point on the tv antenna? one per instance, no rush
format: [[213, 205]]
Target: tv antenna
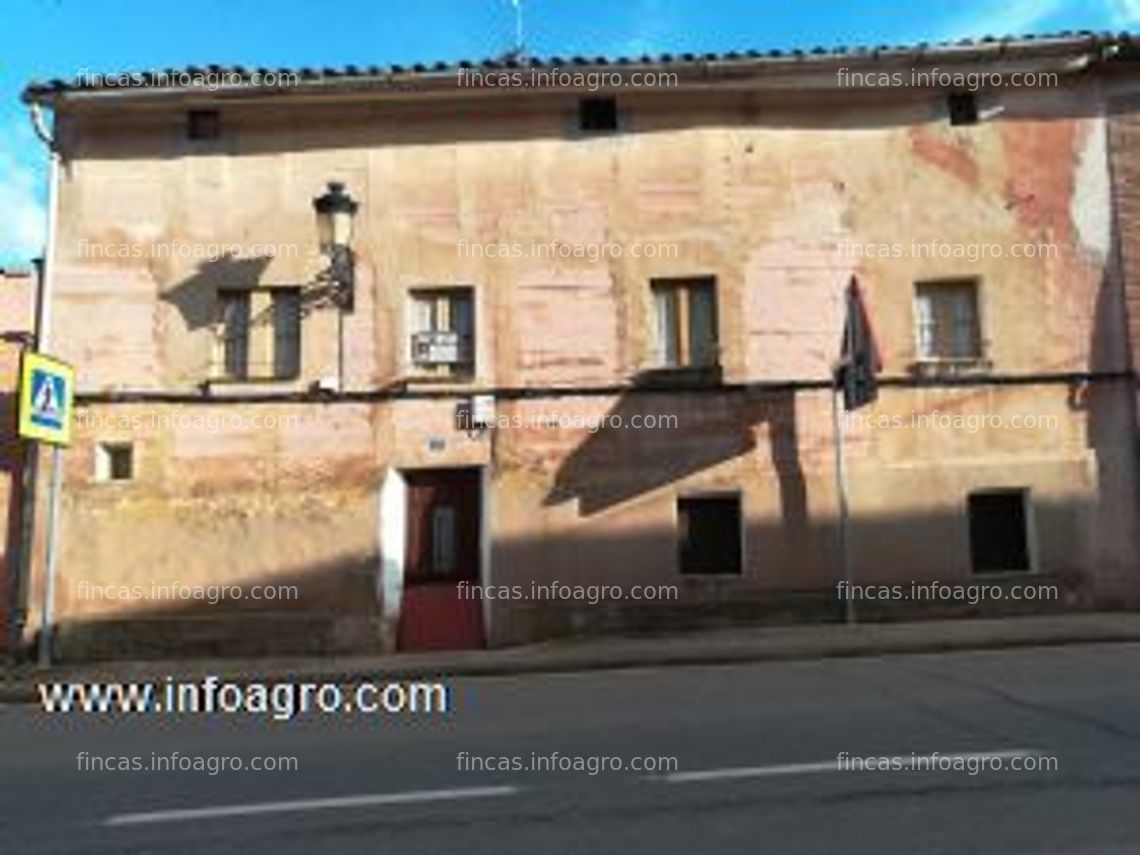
[[519, 51]]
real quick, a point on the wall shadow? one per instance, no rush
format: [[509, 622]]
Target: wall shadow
[[335, 611], [195, 297], [1110, 403], [620, 462], [789, 576]]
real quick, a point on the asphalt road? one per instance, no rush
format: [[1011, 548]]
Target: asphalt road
[[755, 746]]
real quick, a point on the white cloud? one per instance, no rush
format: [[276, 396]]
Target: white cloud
[[1124, 13], [1020, 17], [1009, 18], [22, 213]]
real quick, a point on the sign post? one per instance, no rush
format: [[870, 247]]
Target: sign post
[[47, 390], [856, 385]]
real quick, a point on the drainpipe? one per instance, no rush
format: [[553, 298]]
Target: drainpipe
[[41, 337]]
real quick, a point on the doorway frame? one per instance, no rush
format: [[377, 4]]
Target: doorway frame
[[392, 535]]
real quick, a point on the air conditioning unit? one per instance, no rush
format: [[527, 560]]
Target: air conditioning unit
[[435, 347], [483, 411]]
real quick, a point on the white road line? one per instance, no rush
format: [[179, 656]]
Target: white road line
[[911, 762], [309, 804]]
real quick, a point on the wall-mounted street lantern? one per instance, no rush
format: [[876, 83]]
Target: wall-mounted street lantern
[[335, 211]]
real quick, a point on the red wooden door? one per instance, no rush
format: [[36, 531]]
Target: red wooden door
[[443, 550]]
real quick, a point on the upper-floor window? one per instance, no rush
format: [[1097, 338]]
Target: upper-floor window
[[203, 125], [598, 114], [260, 333], [686, 322], [443, 331], [947, 322], [962, 108], [443, 540]]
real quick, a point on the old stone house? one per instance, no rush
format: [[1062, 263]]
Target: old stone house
[[592, 337]]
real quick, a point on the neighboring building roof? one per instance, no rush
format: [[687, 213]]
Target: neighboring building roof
[[1104, 45]]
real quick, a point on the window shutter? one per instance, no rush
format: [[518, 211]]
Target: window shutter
[[702, 325], [463, 323], [286, 333], [235, 321], [665, 306], [924, 309], [962, 307]]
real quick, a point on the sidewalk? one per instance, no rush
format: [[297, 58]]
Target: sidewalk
[[695, 648]]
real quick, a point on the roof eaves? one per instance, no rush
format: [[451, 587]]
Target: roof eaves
[[395, 75]]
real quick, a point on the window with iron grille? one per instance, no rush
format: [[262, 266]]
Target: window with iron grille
[[260, 332], [947, 322], [443, 330]]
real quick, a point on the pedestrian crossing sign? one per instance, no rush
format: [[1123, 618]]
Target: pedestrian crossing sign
[[46, 390]]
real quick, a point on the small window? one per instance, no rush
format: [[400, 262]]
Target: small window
[[203, 125], [443, 330], [686, 319], [709, 535], [114, 461], [999, 531], [260, 332], [963, 108], [947, 321], [443, 545], [597, 115]]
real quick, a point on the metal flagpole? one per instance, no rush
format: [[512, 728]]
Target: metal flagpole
[[43, 343], [847, 364], [844, 512]]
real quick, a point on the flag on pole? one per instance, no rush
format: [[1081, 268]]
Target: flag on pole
[[859, 360]]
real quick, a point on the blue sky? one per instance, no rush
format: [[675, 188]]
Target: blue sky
[[62, 38]]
